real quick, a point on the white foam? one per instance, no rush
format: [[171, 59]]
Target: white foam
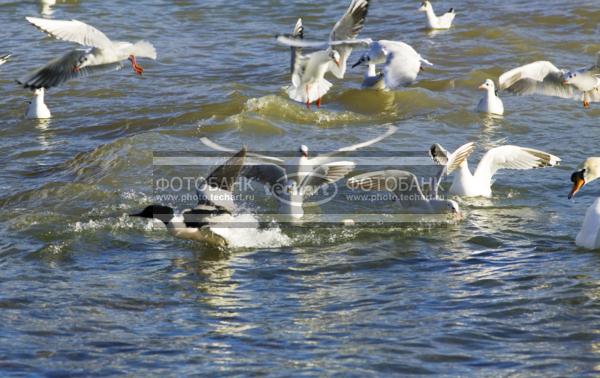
[[250, 236]]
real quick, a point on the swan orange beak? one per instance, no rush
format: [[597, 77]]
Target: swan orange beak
[[578, 182]]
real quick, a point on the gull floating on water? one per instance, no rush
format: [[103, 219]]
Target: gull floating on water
[[299, 177], [434, 22], [308, 71], [490, 103], [402, 64], [100, 54], [589, 235], [215, 206], [406, 189], [545, 78], [37, 109], [504, 157]]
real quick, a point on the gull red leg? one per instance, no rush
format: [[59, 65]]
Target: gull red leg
[[136, 67], [319, 102], [307, 97]]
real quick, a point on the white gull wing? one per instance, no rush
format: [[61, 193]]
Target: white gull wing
[[61, 69], [4, 58], [512, 157], [325, 174], [321, 159], [402, 64], [297, 33], [404, 185], [303, 43], [209, 143], [541, 77], [72, 31], [347, 27], [448, 161]]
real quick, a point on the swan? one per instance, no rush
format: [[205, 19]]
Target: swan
[[543, 77], [490, 103], [589, 235], [477, 184], [434, 22]]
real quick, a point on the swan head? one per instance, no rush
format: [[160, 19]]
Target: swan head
[[488, 85], [588, 171], [425, 6], [334, 55], [162, 213], [303, 150]]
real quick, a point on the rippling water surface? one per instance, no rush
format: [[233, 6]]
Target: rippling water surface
[[86, 290]]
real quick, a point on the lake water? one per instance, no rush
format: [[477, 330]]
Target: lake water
[[86, 290]]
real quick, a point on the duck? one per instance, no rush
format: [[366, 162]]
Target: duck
[[402, 64], [215, 206], [490, 103], [36, 108], [434, 22], [479, 184], [589, 235], [543, 77], [406, 190]]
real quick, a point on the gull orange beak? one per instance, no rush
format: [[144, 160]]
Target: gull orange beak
[[482, 86], [337, 62], [565, 82], [75, 68], [578, 182]]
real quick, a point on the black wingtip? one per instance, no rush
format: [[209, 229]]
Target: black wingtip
[[451, 10]]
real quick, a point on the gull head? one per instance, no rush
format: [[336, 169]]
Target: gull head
[[82, 62], [487, 85], [425, 6], [452, 207], [364, 60], [38, 92], [335, 57], [570, 78], [303, 150]]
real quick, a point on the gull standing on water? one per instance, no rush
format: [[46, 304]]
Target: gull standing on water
[[478, 184], [402, 64], [37, 109], [543, 77], [99, 54], [301, 176], [434, 22], [490, 103], [308, 71]]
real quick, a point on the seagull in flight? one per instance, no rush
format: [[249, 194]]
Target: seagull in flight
[[98, 54]]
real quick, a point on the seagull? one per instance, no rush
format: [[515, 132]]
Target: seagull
[[434, 22], [402, 64], [543, 77], [406, 190], [99, 53], [589, 235], [504, 157], [198, 223], [308, 71], [299, 177], [37, 109], [490, 103], [4, 58]]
